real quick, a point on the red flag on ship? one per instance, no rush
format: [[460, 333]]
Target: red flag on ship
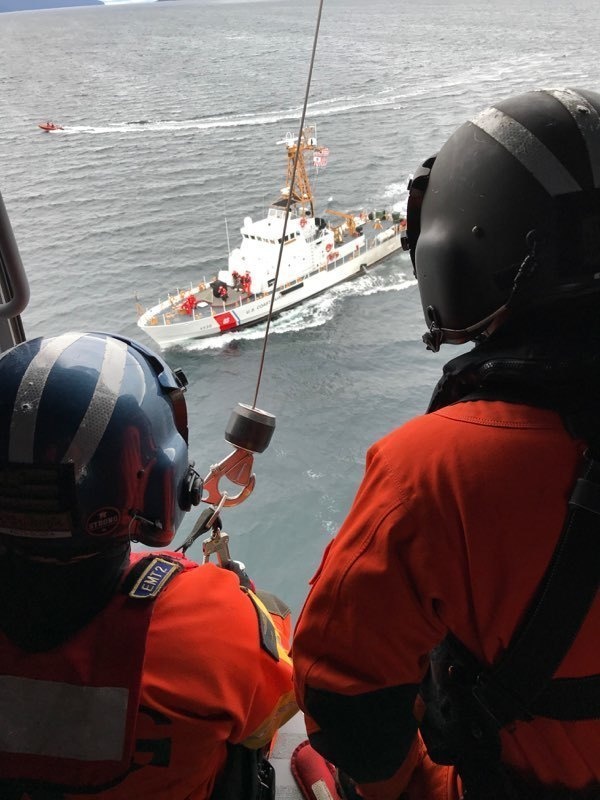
[[320, 157]]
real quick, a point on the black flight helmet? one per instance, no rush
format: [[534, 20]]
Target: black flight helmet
[[506, 217]]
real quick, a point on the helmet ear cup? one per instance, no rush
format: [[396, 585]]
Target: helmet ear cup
[[417, 187], [191, 489]]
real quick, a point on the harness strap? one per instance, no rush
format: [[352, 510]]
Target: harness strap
[[569, 699], [519, 686], [470, 703], [521, 677]]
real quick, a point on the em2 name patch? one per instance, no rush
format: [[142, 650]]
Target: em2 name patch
[[154, 578]]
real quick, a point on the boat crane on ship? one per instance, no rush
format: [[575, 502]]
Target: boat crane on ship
[[317, 253]]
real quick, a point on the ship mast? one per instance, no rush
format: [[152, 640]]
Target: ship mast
[[301, 191]]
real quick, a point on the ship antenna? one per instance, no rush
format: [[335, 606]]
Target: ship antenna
[[289, 202], [227, 235]]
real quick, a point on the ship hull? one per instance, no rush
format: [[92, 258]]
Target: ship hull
[[167, 329]]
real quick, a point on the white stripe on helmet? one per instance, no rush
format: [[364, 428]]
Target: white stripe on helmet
[[101, 407], [533, 154], [25, 411], [588, 122]]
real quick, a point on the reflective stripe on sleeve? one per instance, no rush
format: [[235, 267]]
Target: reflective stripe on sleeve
[[60, 720], [101, 407]]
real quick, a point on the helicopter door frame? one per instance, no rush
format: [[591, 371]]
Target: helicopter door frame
[[14, 286]]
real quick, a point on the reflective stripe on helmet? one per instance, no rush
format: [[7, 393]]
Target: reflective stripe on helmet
[[23, 420], [98, 413], [543, 165], [587, 119]]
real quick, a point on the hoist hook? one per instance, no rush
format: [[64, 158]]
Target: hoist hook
[[249, 430], [237, 468]]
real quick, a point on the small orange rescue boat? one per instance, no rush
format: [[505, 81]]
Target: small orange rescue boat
[[50, 126]]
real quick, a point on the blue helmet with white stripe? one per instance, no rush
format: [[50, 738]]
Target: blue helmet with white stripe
[[507, 215], [93, 445]]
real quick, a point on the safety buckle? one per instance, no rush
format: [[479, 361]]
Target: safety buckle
[[499, 704]]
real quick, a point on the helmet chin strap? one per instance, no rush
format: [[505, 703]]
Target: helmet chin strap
[[438, 335]]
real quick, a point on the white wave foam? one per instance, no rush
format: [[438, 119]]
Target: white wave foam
[[397, 189], [320, 108]]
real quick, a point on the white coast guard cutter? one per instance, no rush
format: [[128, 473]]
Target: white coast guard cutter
[[317, 253]]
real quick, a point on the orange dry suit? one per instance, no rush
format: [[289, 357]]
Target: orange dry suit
[[449, 537], [146, 700]]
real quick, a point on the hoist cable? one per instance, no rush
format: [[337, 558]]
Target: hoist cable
[[289, 203]]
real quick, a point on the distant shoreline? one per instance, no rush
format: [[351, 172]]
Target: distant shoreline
[[42, 5]]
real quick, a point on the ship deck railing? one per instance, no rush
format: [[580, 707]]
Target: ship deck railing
[[170, 311]]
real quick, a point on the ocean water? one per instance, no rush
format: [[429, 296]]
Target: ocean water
[[172, 114]]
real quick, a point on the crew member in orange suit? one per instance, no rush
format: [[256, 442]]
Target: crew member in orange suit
[[449, 643], [122, 675]]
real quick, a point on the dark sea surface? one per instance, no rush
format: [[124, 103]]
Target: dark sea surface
[[173, 112]]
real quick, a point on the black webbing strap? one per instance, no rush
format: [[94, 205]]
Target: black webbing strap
[[519, 685]]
